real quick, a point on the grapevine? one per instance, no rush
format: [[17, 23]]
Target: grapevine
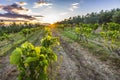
[[32, 62], [83, 33]]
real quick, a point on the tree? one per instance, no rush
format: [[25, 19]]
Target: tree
[[116, 17]]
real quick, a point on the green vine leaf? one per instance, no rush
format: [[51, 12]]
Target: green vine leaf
[[30, 59], [16, 56]]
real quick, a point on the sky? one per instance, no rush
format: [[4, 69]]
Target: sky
[[50, 11]]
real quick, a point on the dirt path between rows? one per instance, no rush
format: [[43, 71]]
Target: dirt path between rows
[[79, 64]]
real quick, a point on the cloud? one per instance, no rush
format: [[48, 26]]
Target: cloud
[[41, 4], [73, 6], [14, 8], [64, 13], [1, 7], [10, 15], [49, 7], [8, 0], [16, 11], [21, 3]]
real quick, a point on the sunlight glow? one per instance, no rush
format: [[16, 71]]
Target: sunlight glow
[[50, 19], [52, 26]]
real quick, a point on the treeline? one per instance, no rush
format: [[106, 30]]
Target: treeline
[[13, 28], [102, 17]]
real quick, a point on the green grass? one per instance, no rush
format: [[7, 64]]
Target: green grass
[[96, 50], [99, 51], [70, 35], [19, 39]]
